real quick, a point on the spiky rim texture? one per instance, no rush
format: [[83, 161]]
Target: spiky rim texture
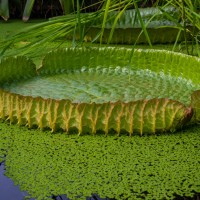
[[63, 60]]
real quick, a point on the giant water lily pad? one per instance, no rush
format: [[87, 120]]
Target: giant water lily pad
[[91, 89], [127, 28]]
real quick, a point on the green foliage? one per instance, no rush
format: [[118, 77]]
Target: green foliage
[[174, 64], [172, 22], [83, 88], [189, 17], [67, 6], [13, 69], [4, 9], [195, 103], [128, 27], [5, 142], [117, 167], [104, 84], [27, 9], [142, 116]]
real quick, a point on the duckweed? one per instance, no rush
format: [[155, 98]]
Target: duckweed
[[150, 167]]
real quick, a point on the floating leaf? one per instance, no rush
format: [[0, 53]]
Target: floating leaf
[[91, 90]]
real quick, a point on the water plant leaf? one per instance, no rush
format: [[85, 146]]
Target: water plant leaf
[[13, 69], [144, 25], [195, 103], [160, 29], [142, 116], [86, 93]]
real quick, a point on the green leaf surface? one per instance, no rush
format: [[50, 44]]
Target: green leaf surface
[[104, 84], [130, 18], [16, 68], [195, 103], [160, 61], [91, 90], [144, 25], [142, 116]]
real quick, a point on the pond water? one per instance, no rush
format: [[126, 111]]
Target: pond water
[[9, 191]]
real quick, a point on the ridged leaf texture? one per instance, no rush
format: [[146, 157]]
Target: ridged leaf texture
[[153, 16], [156, 60], [105, 84], [195, 103], [16, 68], [143, 116], [98, 89], [128, 28]]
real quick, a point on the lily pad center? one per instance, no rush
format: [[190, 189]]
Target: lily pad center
[[104, 84]]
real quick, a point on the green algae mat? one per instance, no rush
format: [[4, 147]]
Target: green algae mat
[[148, 167], [87, 90]]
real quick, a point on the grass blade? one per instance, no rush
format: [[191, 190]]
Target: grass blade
[[106, 11], [27, 10], [115, 21], [67, 5], [142, 23]]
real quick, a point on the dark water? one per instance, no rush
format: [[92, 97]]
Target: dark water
[[8, 191]]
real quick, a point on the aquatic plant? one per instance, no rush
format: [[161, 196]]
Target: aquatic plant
[[182, 26], [67, 7], [151, 27], [46, 164], [91, 90]]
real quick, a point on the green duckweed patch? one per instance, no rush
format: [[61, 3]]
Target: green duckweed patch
[[6, 139], [150, 167]]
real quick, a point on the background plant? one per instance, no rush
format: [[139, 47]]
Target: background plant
[[189, 22], [18, 8], [61, 26]]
